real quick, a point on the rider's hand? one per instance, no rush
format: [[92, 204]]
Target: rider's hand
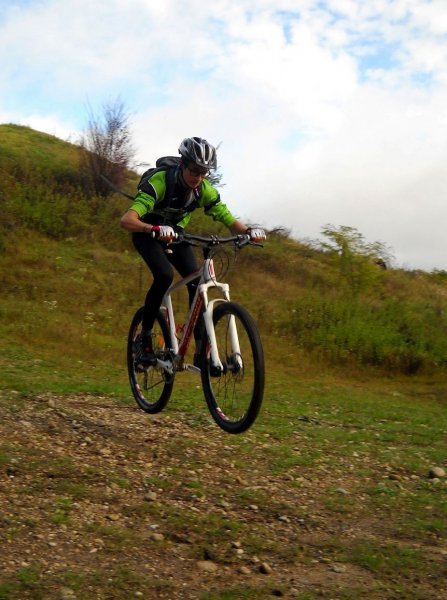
[[256, 234], [165, 233]]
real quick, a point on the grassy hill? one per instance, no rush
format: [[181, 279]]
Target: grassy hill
[[330, 494], [71, 280]]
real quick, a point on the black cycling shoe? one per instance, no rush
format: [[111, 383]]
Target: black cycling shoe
[[145, 352]]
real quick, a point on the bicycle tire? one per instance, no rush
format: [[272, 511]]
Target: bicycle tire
[[234, 396], [151, 387]]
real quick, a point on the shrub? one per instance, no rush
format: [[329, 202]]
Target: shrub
[[387, 332]]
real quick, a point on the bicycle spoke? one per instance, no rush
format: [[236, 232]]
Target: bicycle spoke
[[150, 386], [234, 396]]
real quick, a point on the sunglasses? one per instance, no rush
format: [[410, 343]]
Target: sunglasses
[[198, 172]]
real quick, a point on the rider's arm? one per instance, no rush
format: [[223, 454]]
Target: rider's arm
[[210, 200], [213, 206], [238, 227], [144, 203], [131, 222]]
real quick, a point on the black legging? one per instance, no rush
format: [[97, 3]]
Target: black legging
[[160, 263]]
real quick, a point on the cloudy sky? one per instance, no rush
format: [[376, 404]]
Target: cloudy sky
[[327, 111]]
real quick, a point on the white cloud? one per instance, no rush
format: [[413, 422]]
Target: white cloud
[[52, 125], [321, 107]]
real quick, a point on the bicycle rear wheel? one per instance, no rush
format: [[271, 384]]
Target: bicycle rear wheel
[[151, 386], [234, 395]]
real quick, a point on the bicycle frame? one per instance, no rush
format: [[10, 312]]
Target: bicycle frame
[[229, 357], [201, 301]]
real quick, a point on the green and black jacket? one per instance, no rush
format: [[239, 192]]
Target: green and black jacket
[[163, 199]]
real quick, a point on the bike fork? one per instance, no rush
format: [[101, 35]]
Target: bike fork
[[234, 339]]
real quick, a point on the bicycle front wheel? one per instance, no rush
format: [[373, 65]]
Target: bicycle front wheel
[[151, 385], [234, 393]]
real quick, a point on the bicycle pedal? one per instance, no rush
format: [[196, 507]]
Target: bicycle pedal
[[151, 362]]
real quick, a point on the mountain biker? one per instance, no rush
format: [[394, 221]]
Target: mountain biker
[[154, 223]]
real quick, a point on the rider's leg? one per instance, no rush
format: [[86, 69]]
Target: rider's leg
[[184, 260], [158, 262]]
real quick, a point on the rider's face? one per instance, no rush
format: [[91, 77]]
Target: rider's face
[[193, 175]]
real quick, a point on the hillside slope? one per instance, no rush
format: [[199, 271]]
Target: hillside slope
[[337, 491], [68, 271]]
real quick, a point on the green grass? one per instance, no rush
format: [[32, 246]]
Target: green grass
[[241, 593], [121, 583], [345, 436], [387, 559], [61, 514], [361, 435], [26, 150]]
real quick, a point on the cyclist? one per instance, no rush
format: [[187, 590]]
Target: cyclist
[[153, 219]]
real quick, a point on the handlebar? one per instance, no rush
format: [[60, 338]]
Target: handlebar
[[239, 240]]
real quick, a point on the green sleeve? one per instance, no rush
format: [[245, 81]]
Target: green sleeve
[[142, 204], [154, 190], [210, 200]]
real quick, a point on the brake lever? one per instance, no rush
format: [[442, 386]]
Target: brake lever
[[243, 240]]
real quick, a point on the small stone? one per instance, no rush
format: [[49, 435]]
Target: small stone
[[207, 566], [113, 517], [157, 537], [338, 568], [436, 473], [265, 568], [150, 497], [67, 594], [244, 570], [284, 519], [342, 491]]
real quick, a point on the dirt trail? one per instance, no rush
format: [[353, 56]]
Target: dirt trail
[[104, 501]]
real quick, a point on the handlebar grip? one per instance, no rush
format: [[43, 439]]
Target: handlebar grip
[[157, 232]]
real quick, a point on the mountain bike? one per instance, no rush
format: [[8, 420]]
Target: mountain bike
[[229, 357]]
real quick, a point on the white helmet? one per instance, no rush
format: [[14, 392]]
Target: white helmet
[[198, 151]]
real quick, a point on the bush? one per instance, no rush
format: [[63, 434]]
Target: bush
[[396, 335]]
